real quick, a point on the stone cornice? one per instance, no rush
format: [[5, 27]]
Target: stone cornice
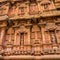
[[43, 14]]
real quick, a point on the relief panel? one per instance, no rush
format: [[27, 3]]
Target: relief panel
[[53, 37], [33, 8], [36, 34], [10, 36], [12, 11], [47, 5], [37, 50], [4, 9], [36, 39], [22, 36], [21, 11]]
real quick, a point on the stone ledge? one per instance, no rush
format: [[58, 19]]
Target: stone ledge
[[32, 57]]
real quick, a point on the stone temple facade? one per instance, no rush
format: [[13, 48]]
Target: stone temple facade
[[29, 29]]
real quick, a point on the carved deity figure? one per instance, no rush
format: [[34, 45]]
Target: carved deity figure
[[53, 38]]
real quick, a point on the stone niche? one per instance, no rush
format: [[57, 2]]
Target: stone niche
[[36, 39]]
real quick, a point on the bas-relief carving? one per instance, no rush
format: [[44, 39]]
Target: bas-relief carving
[[36, 33], [21, 40], [27, 38], [21, 32], [36, 39], [34, 8], [4, 9]]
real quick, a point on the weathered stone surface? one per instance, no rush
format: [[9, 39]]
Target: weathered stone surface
[[29, 29]]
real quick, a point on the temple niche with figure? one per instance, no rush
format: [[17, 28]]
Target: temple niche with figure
[[29, 29]]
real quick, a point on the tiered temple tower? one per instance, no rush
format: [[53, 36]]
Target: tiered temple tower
[[29, 29]]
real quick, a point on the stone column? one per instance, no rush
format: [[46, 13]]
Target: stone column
[[43, 36]]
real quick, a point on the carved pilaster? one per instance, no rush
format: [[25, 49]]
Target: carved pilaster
[[2, 39], [43, 36], [42, 25], [15, 37]]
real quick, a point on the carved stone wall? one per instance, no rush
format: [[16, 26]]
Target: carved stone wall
[[29, 37], [29, 28]]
